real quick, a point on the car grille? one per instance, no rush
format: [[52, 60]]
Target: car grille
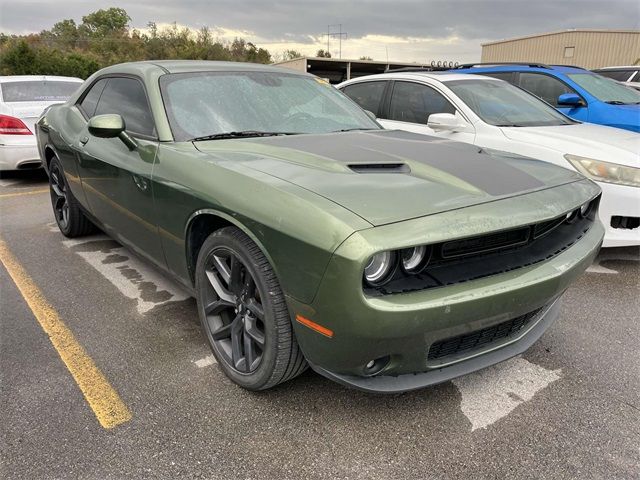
[[480, 338]]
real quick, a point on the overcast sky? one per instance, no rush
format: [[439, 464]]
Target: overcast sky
[[405, 30]]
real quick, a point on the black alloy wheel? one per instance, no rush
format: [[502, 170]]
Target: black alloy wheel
[[244, 313], [234, 312], [67, 212], [58, 190]]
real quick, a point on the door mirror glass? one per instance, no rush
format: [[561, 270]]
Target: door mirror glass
[[569, 100], [106, 126], [445, 122]]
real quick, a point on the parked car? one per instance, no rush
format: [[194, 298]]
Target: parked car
[[493, 114], [386, 260], [576, 92], [22, 100], [629, 76]]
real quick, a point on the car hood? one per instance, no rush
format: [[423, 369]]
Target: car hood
[[622, 116], [387, 176], [585, 139]]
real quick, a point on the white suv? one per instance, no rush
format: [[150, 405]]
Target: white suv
[[494, 114]]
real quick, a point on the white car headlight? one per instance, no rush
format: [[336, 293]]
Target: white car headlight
[[604, 171]]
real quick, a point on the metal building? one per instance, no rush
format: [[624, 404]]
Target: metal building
[[337, 70], [583, 48]]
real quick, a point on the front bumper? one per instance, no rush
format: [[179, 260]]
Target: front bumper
[[16, 157], [413, 381], [401, 328], [621, 201]]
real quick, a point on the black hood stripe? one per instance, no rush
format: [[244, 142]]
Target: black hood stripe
[[469, 163]]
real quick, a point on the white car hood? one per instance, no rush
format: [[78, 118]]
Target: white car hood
[[588, 140]]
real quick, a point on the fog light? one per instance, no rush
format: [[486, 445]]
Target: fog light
[[373, 367]]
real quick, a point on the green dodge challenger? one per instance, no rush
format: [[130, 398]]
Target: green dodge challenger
[[385, 260]]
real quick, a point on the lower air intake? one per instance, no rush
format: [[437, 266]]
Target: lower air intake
[[479, 339]]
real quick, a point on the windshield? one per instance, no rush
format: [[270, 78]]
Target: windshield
[[38, 91], [605, 89], [208, 103], [501, 104]]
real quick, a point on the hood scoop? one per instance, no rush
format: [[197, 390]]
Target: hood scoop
[[380, 168]]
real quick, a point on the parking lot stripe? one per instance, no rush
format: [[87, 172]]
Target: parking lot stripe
[[105, 402], [19, 194]]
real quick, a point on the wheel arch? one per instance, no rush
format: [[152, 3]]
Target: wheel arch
[[49, 153], [203, 223]]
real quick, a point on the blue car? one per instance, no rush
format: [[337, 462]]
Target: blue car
[[576, 92]]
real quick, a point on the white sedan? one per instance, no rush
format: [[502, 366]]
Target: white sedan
[[22, 99], [494, 114]]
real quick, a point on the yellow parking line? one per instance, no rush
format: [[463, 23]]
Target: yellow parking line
[[105, 402], [19, 194]]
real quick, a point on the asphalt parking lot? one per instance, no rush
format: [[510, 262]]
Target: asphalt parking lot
[[567, 408]]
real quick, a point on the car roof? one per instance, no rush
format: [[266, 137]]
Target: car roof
[[187, 66], [621, 67], [440, 76], [523, 68], [38, 78]]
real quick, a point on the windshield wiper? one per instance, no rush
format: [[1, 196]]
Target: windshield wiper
[[509, 125], [618, 102], [241, 134], [353, 129]]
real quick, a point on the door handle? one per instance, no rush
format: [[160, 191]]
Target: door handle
[[84, 140]]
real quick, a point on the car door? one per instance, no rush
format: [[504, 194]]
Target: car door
[[116, 179], [549, 88], [410, 106]]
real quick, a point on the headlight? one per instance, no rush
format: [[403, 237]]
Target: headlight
[[379, 268], [605, 171], [413, 259]]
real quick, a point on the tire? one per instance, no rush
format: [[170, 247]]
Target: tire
[[70, 218], [243, 312]]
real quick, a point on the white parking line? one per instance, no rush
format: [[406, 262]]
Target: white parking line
[[491, 394], [133, 277]]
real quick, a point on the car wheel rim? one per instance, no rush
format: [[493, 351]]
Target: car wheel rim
[[59, 197], [234, 315]]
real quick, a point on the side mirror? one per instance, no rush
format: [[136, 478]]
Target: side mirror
[[445, 122], [111, 126], [570, 100]]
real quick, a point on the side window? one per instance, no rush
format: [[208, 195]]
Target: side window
[[412, 102], [506, 76], [127, 97], [544, 86], [90, 100], [367, 94]]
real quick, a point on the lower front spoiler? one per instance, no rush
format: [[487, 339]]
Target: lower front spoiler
[[415, 381]]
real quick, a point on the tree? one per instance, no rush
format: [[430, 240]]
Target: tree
[[290, 55], [104, 38], [321, 53], [106, 22], [19, 59]]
